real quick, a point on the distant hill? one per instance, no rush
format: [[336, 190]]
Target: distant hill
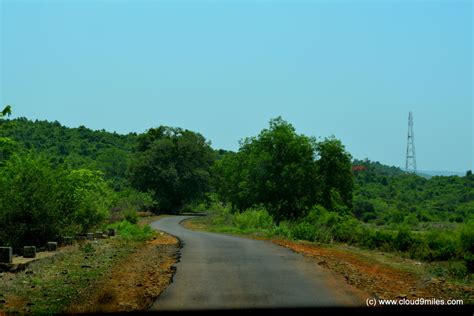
[[440, 173]]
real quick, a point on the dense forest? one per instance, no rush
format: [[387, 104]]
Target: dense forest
[[56, 180]]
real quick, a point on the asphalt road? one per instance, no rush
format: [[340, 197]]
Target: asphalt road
[[218, 271]]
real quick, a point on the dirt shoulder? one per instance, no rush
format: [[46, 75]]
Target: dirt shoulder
[[135, 282], [107, 275], [380, 275]]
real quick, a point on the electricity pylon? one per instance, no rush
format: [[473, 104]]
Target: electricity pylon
[[410, 165]]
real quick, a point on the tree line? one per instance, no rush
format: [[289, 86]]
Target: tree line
[[56, 180]]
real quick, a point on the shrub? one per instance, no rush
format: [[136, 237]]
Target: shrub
[[131, 216], [466, 243], [129, 231], [283, 229], [403, 241], [443, 245], [88, 199], [253, 218], [28, 202], [304, 231]]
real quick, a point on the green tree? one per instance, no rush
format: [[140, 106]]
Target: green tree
[[173, 163], [85, 199], [28, 202], [7, 111], [7, 146], [275, 169], [335, 169]]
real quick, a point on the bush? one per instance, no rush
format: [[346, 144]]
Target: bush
[[403, 241], [253, 218], [304, 231], [88, 199], [129, 231], [283, 230], [29, 202], [377, 239], [443, 245], [466, 243], [324, 226], [39, 203], [127, 203], [131, 216]]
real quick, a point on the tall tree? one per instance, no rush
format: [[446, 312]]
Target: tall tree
[[7, 146], [335, 169], [173, 163], [276, 169]]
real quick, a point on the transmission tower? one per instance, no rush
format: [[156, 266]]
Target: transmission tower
[[410, 165]]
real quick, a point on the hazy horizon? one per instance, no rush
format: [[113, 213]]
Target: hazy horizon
[[349, 69]]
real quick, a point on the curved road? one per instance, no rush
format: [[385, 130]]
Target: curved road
[[224, 272]]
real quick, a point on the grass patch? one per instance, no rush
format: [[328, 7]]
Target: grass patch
[[132, 232], [50, 285]]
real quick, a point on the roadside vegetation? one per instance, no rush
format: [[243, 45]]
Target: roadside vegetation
[[57, 181]]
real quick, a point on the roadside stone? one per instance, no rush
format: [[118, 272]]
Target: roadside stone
[[52, 246], [67, 241], [29, 252], [111, 232], [90, 236], [6, 254], [98, 235]]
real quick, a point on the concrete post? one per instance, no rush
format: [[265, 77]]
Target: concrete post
[[111, 232], [6, 254], [67, 241], [98, 235], [29, 252], [52, 246], [90, 236]]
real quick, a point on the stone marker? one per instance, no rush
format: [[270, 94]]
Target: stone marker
[[81, 237], [111, 232], [90, 236], [29, 252], [52, 246], [6, 254], [67, 241], [98, 235]]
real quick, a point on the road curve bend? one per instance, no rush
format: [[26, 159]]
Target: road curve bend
[[218, 271]]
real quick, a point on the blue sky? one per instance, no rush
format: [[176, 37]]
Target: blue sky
[[352, 69]]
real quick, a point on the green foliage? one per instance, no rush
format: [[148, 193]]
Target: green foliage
[[7, 111], [409, 198], [324, 226], [466, 237], [88, 199], [335, 169], [38, 203], [75, 147], [127, 202], [29, 213], [87, 247], [174, 164], [132, 232], [275, 169], [253, 218]]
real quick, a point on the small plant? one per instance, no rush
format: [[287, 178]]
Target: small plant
[[87, 247], [129, 231]]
